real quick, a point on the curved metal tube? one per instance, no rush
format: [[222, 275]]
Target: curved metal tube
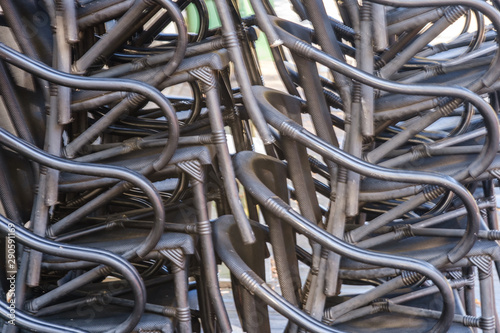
[[491, 121], [278, 207], [290, 128], [32, 323], [307, 228], [433, 121], [131, 102], [255, 284], [236, 54], [494, 71], [75, 252], [140, 181], [36, 68]]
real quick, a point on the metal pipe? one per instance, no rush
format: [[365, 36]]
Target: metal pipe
[[74, 252], [60, 78], [282, 210]]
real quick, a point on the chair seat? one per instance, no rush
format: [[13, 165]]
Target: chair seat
[[89, 319], [389, 322]]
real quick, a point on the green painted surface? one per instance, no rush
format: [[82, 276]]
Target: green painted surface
[[193, 23]]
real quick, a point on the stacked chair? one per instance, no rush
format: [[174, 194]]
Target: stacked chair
[[132, 167]]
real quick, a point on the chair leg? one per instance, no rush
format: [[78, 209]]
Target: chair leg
[[487, 293], [179, 269]]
